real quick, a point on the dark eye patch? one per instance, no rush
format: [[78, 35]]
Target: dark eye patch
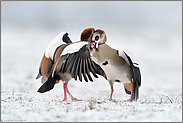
[[96, 38]]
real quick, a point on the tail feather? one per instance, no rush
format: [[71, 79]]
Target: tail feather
[[48, 85]]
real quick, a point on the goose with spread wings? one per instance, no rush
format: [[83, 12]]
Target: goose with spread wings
[[64, 60]]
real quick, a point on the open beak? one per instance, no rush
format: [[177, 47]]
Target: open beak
[[93, 45]]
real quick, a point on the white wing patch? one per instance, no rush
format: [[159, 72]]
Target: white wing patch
[[57, 41], [75, 47], [122, 54]]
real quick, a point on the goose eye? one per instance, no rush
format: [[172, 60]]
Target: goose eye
[[96, 38]]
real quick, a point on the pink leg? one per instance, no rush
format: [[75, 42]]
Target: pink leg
[[65, 91], [111, 92], [72, 98], [131, 91]]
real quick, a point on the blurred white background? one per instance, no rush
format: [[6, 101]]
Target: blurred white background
[[150, 32]]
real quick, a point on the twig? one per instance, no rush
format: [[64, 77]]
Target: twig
[[168, 98], [29, 87], [58, 98]]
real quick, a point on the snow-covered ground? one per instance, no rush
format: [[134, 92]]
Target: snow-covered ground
[[157, 49]]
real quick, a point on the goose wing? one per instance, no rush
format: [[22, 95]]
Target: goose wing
[[76, 60], [136, 79]]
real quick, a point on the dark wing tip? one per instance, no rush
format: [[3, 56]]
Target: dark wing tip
[[66, 38], [99, 70], [136, 81], [38, 76], [92, 67], [136, 75]]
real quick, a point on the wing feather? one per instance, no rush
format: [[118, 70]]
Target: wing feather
[[71, 64], [77, 66], [84, 70], [80, 70], [73, 68], [91, 68], [87, 71], [77, 62], [68, 63], [99, 70]]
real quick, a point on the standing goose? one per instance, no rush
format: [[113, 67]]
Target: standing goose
[[64, 61], [117, 65]]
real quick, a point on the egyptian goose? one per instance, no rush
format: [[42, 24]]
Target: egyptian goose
[[64, 61], [117, 65]]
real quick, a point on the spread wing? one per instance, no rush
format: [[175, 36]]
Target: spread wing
[[78, 63]]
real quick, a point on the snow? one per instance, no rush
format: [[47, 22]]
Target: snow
[[157, 50], [34, 107]]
